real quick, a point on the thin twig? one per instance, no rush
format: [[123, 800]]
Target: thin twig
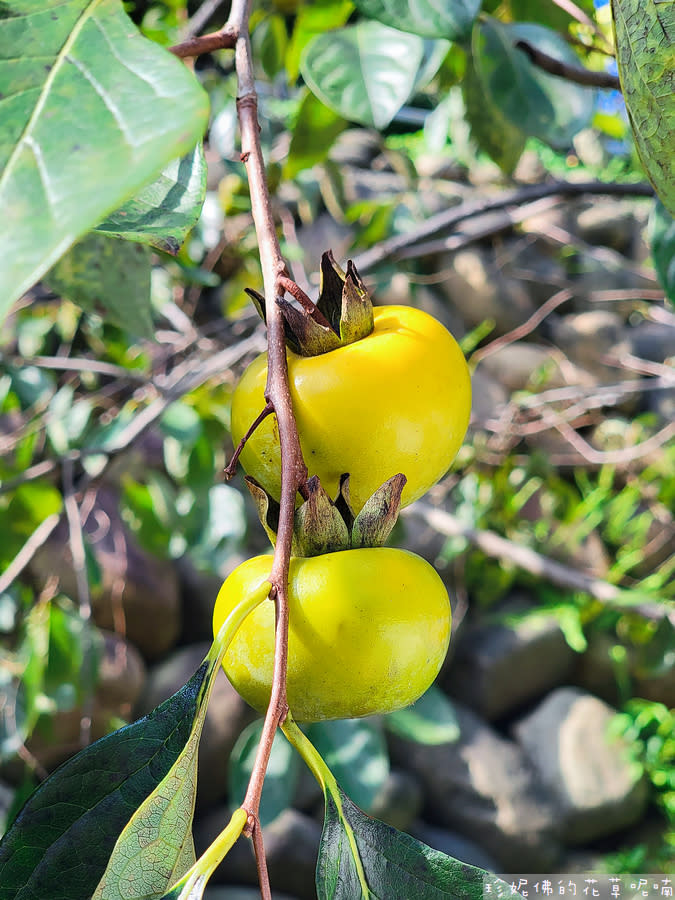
[[390, 249], [277, 392], [231, 467], [28, 551], [498, 547], [576, 13], [224, 39], [201, 17], [253, 826], [576, 74], [78, 554]]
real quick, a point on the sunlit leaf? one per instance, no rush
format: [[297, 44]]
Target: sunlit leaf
[[163, 213], [91, 111], [315, 130], [645, 52], [364, 72], [451, 19]]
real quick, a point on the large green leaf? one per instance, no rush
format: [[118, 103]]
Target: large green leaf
[[107, 275], [164, 212], [90, 111], [503, 141], [59, 844], [315, 130], [356, 849], [662, 238], [645, 53], [537, 103], [364, 72], [451, 19], [356, 753]]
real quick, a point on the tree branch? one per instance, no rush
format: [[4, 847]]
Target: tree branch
[[498, 547], [392, 248], [277, 392], [577, 74], [225, 39]]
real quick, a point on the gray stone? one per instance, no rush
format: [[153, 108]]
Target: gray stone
[[291, 850], [138, 592], [566, 739], [399, 800], [488, 397], [608, 222], [356, 147], [524, 365], [221, 892], [6, 800], [454, 845], [476, 287], [586, 337], [482, 786], [654, 341], [499, 666], [226, 717]]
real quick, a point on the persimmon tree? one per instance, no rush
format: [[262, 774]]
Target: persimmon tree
[[102, 162]]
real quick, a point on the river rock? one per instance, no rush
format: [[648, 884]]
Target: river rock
[[399, 800], [483, 787], [138, 592], [226, 717], [608, 222], [586, 337], [499, 666], [566, 739], [291, 849], [528, 366], [476, 287], [654, 341]]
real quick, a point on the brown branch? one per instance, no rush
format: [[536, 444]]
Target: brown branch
[[577, 74], [498, 547], [225, 39], [392, 248], [277, 392], [231, 467]]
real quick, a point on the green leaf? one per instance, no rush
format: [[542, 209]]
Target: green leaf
[[315, 130], [491, 130], [269, 42], [662, 239], [364, 72], [452, 19], [394, 865], [91, 111], [539, 104], [431, 720], [280, 779], [163, 213], [356, 753], [49, 851], [110, 276], [313, 19], [644, 33]]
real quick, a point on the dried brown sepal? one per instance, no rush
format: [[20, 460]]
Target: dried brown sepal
[[374, 523], [319, 527], [267, 508], [342, 314], [343, 502], [356, 320], [307, 333]]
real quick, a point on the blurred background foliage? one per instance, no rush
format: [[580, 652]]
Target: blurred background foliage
[[84, 402]]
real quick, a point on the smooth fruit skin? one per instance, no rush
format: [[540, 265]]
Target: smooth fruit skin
[[396, 401], [368, 632]]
